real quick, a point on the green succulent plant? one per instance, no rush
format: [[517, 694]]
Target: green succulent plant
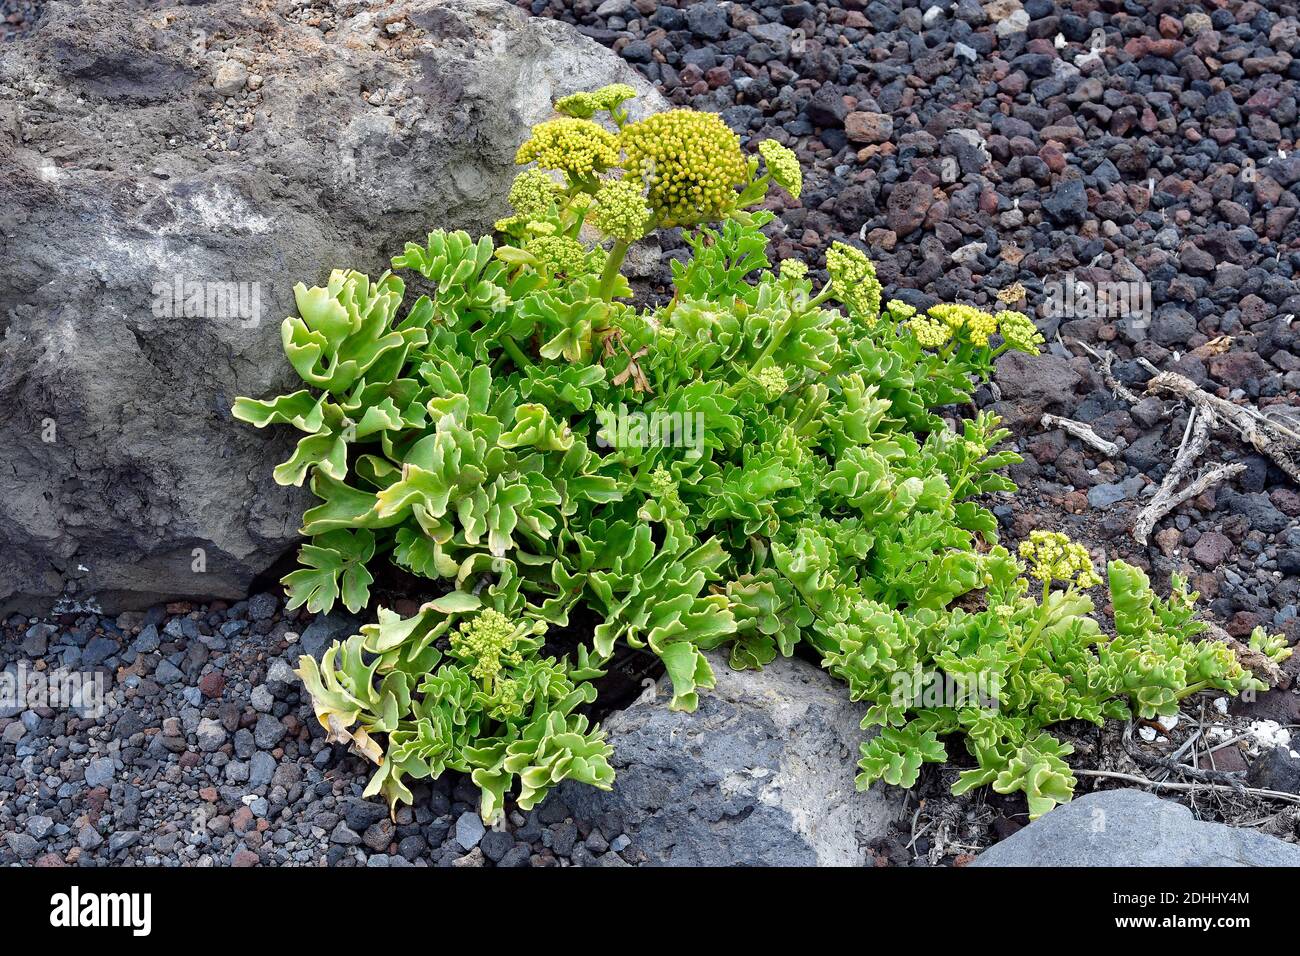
[[756, 464]]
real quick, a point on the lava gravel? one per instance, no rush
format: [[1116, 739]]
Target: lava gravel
[[204, 752]]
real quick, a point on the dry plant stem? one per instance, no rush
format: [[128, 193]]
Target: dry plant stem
[[1105, 359], [1187, 787], [1082, 432], [1228, 777], [1169, 497], [1268, 437]]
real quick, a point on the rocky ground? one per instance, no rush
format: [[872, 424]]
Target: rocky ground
[[17, 17], [207, 754], [969, 146]]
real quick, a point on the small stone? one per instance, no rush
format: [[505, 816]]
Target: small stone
[[1067, 204], [268, 732], [262, 607], [122, 840], [168, 673], [469, 830], [1212, 549], [378, 835], [211, 735], [867, 127], [261, 768], [231, 77], [99, 772], [22, 845], [1104, 496], [360, 814], [496, 844], [89, 838], [344, 835]]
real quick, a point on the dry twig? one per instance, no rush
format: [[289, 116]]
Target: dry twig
[[1188, 787], [1082, 432], [1169, 497]]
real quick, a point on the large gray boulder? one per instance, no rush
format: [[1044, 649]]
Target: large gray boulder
[[245, 147], [761, 775], [1134, 828]]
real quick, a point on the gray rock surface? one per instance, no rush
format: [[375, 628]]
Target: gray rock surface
[[1134, 828], [762, 774], [129, 156]]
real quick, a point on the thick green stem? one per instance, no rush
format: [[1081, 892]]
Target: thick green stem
[[516, 353], [612, 264], [1044, 612]]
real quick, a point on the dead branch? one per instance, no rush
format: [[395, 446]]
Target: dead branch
[[1264, 434], [1186, 787], [1196, 438], [1105, 358], [1082, 432]]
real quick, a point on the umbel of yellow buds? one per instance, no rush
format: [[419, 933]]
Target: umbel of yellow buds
[[558, 255], [489, 641], [1054, 557], [979, 325], [690, 162], [586, 105], [853, 279], [576, 147], [621, 209], [772, 381], [784, 166], [532, 193], [930, 332], [1019, 331]]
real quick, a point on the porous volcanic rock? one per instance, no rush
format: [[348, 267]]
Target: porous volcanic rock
[[245, 147], [761, 775], [1133, 828]]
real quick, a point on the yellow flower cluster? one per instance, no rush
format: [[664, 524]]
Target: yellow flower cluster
[[621, 209], [899, 309], [793, 269], [771, 380], [931, 333], [783, 164], [533, 192], [979, 325], [489, 639], [577, 147], [608, 97], [584, 105], [853, 279], [1019, 331], [558, 254], [691, 163], [661, 482], [1054, 557]]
